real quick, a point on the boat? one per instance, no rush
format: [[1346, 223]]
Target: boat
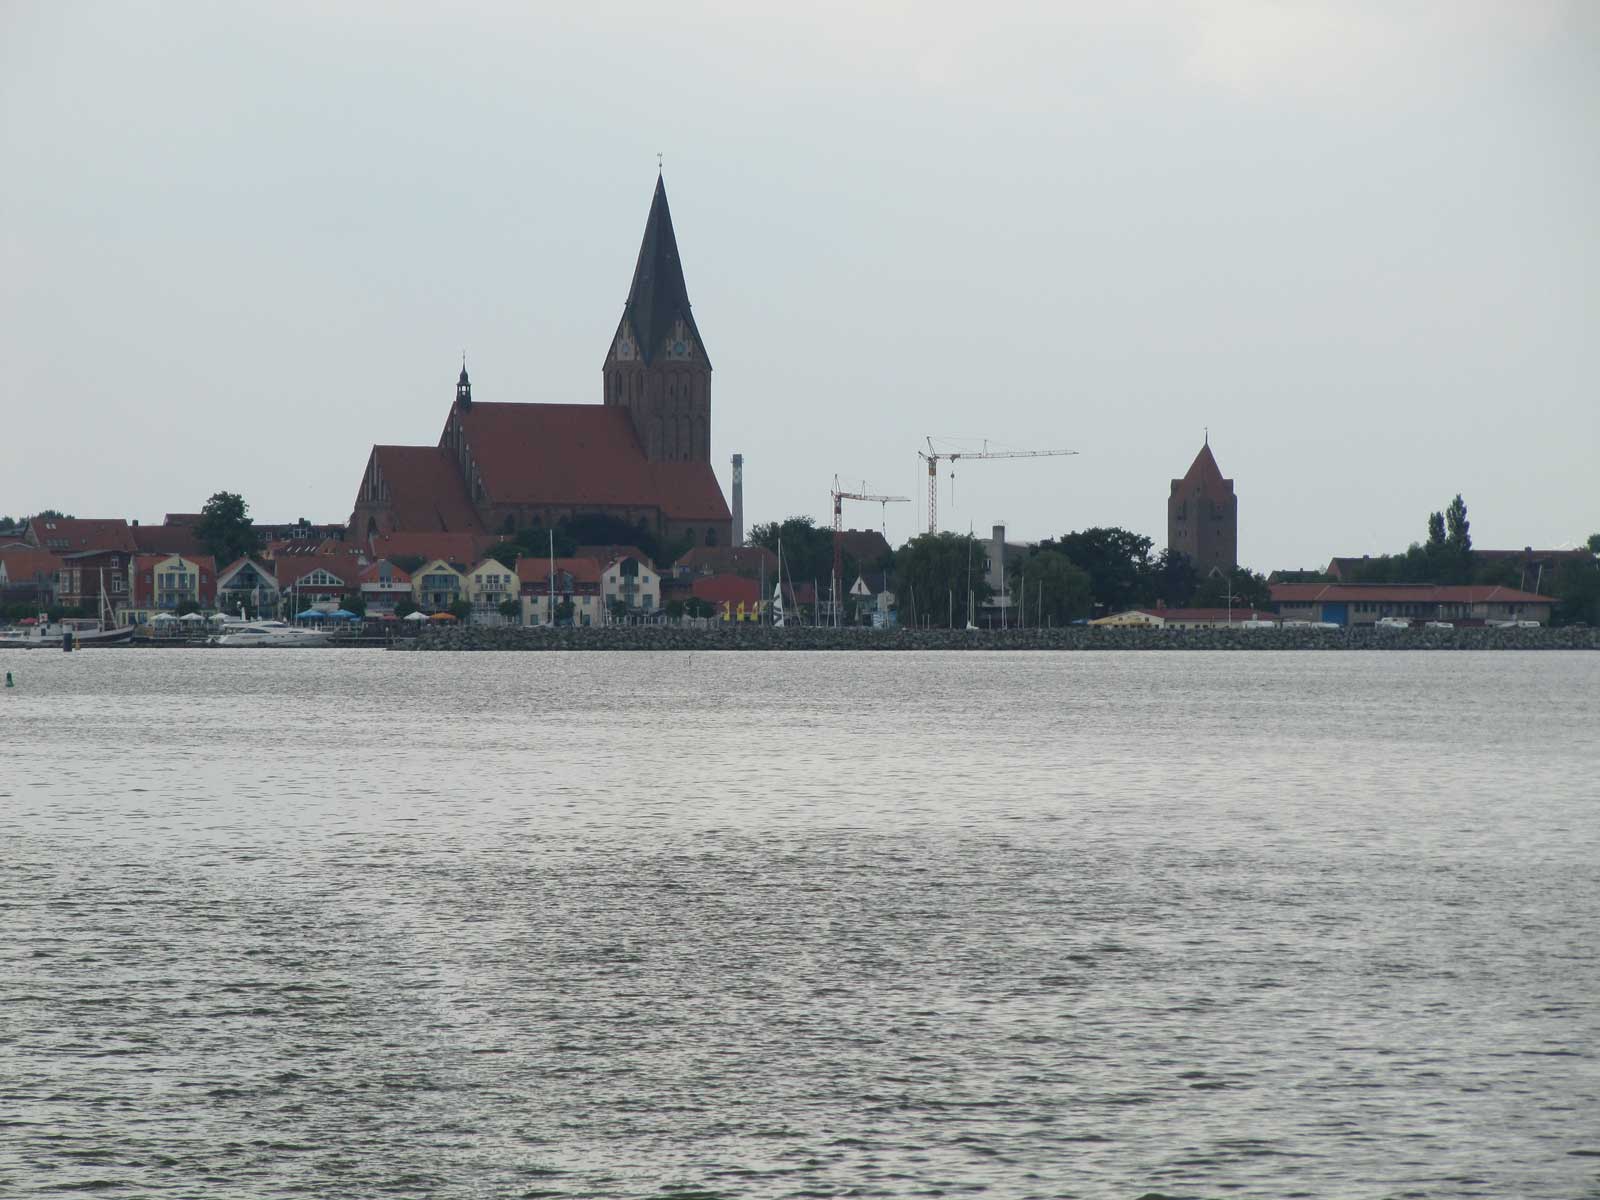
[[52, 635], [273, 633]]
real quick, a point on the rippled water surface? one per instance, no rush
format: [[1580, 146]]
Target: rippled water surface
[[351, 924]]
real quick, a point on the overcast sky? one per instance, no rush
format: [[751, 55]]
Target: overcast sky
[[240, 243]]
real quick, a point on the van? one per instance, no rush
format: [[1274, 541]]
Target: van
[[1392, 623]]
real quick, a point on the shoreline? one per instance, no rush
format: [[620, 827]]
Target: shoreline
[[755, 637]]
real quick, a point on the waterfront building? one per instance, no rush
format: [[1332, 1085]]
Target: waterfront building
[[1535, 570], [167, 582], [489, 585], [249, 582], [753, 562], [1186, 618], [309, 579], [28, 576], [735, 597], [631, 581], [1368, 603], [642, 455], [1203, 516], [436, 585], [576, 579], [382, 585]]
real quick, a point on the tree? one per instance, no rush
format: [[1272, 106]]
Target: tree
[[807, 550], [1435, 533], [1049, 589], [1171, 579], [1594, 544], [936, 571], [461, 609], [674, 609], [185, 607], [404, 606], [225, 528], [1117, 561], [356, 603], [507, 553], [407, 562], [564, 611], [1244, 587], [694, 606], [1577, 593], [1455, 519], [511, 610]]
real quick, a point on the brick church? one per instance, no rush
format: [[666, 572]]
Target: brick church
[[1203, 516], [642, 455]]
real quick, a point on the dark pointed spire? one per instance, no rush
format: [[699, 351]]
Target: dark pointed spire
[[464, 385], [659, 298]]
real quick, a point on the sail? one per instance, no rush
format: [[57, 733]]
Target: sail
[[777, 605]]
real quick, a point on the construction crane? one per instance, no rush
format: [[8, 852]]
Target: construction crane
[[839, 497], [933, 456]]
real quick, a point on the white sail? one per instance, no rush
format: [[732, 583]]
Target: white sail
[[777, 604]]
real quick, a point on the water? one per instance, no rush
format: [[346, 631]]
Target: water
[[344, 923]]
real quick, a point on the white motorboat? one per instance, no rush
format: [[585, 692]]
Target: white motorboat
[[273, 633]]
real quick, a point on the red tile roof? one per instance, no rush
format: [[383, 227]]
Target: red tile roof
[[536, 570], [606, 555], [371, 573], [582, 454], [70, 535], [1404, 593], [166, 539], [425, 491], [710, 560], [463, 548], [727, 589], [28, 563]]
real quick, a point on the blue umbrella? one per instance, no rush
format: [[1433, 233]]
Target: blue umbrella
[[344, 614], [311, 614]]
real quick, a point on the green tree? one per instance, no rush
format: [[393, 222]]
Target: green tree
[[564, 611], [1577, 593], [807, 550], [407, 562], [934, 573], [354, 602], [1171, 580], [1248, 589], [404, 606], [185, 607], [225, 528], [1049, 589], [507, 553], [696, 607], [511, 610], [1117, 561], [1594, 544], [461, 610]]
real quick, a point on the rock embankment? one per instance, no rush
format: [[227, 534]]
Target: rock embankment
[[756, 637]]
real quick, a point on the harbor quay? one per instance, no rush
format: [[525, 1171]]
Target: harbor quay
[[767, 638]]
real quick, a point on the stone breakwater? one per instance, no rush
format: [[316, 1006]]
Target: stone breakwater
[[755, 637]]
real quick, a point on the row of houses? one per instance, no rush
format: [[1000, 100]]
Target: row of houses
[[1354, 604]]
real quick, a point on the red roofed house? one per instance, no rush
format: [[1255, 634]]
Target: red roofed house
[[643, 455], [1203, 516], [163, 582], [382, 586], [94, 554], [1366, 603], [576, 579], [307, 579], [28, 576], [247, 582]]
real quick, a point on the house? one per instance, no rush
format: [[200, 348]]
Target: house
[[165, 582], [576, 580], [28, 577], [382, 585], [1186, 618], [437, 584], [1367, 603], [489, 585], [74, 535], [750, 561], [631, 582], [308, 579], [247, 582]]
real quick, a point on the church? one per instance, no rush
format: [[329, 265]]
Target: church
[[642, 455]]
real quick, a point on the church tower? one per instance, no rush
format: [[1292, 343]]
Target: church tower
[[1203, 516], [657, 367]]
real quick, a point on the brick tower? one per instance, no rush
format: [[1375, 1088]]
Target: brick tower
[[657, 367], [1203, 516]]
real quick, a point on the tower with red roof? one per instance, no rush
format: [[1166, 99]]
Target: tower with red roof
[[1203, 516]]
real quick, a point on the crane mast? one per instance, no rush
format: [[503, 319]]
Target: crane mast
[[933, 457], [839, 497]]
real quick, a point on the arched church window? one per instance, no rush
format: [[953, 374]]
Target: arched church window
[[711, 536]]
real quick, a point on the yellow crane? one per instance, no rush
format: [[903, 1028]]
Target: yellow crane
[[933, 458]]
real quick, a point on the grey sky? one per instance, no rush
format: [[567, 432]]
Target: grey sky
[[240, 243]]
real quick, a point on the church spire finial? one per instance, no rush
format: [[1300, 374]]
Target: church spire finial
[[1207, 429], [464, 385]]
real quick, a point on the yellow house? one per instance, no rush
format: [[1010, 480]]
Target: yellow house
[[490, 584], [437, 585]]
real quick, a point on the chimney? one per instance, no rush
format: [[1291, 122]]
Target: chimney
[[738, 499]]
